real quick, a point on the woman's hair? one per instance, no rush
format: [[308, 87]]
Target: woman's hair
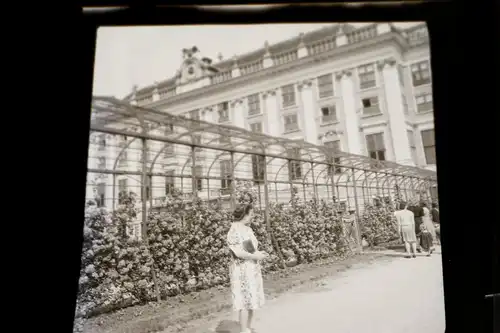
[[423, 204], [434, 205], [402, 205], [241, 211]]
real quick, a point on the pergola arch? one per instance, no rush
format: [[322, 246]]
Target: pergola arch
[[359, 175]]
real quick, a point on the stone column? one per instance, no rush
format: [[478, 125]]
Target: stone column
[[273, 127], [308, 113], [272, 116], [395, 109], [350, 112], [238, 117]]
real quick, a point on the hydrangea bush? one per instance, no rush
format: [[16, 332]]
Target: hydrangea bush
[[378, 224], [115, 271], [307, 231], [189, 250], [186, 247]]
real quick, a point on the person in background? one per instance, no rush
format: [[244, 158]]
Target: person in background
[[418, 213], [245, 271], [425, 240], [435, 220], [427, 221], [406, 227]]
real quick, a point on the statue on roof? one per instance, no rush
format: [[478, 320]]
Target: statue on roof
[[190, 52], [194, 66]]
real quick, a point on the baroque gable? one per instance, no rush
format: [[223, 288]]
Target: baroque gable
[[194, 66]]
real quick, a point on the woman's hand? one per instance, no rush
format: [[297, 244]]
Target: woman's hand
[[260, 255]]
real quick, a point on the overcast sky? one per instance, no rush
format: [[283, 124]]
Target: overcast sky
[[141, 55]]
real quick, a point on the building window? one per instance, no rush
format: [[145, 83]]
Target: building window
[[294, 167], [370, 106], [194, 115], [123, 159], [101, 163], [196, 140], [434, 193], [102, 142], [421, 73], [428, 141], [122, 142], [328, 114], [223, 111], [375, 146], [256, 127], [288, 95], [253, 104], [148, 187], [367, 76], [325, 86], [413, 146], [335, 148], [101, 194], [258, 168], [225, 174], [291, 123], [122, 189], [224, 140], [198, 173], [169, 128], [169, 182], [122, 185], [424, 102], [169, 150]]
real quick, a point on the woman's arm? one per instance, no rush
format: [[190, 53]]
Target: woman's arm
[[235, 244], [242, 254]]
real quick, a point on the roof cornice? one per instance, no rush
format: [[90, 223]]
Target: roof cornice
[[273, 70]]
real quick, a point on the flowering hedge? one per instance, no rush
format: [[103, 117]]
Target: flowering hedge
[[378, 224], [186, 247], [307, 231], [115, 271]]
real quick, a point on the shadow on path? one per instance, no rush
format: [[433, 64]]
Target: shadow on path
[[400, 251], [228, 326]]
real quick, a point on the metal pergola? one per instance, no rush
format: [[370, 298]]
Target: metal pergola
[[323, 171]]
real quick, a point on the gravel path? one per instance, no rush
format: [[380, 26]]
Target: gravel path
[[401, 295]]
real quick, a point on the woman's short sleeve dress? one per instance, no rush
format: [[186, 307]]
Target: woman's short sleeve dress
[[245, 275], [406, 223]]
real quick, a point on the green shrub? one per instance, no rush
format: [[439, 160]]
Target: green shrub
[[186, 247]]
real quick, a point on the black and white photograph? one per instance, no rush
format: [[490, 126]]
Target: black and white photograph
[[262, 178]]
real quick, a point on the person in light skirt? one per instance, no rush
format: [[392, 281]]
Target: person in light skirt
[[406, 226]]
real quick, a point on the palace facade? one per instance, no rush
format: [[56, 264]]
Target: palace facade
[[366, 91]]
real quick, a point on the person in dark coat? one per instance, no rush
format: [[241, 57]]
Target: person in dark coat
[[435, 220], [418, 212]]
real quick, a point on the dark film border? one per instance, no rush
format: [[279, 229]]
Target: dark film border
[[463, 61]]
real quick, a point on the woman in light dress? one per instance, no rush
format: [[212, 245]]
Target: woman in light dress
[[406, 226], [245, 271], [427, 221]]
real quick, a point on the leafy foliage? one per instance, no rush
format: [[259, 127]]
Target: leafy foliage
[[186, 245], [378, 224]]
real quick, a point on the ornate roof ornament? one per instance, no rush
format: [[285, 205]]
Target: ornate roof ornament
[[266, 48]]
